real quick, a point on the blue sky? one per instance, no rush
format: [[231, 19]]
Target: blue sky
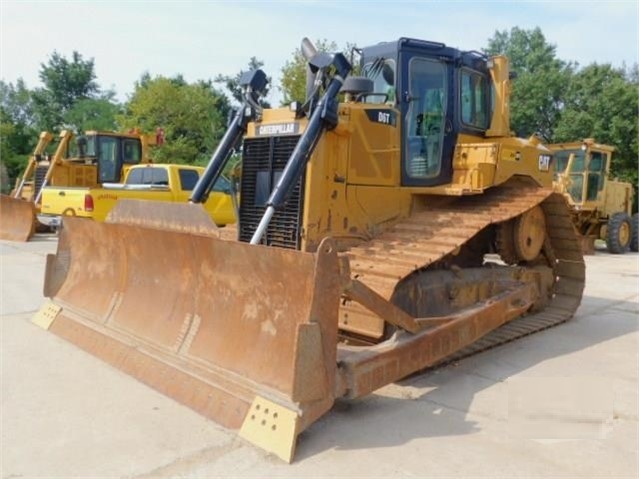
[[200, 39]]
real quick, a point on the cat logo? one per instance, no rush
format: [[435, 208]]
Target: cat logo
[[278, 129], [544, 162]]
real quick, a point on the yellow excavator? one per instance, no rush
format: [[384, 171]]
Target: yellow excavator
[[101, 157], [388, 224]]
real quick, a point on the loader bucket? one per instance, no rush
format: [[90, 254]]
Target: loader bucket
[[17, 219], [245, 335]]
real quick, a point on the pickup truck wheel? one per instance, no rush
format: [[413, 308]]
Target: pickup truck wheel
[[68, 212], [618, 233], [634, 240]]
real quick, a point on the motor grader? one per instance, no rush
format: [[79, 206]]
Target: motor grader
[[601, 206], [388, 224], [101, 157]]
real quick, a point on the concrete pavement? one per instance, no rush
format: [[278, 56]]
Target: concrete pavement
[[561, 403]]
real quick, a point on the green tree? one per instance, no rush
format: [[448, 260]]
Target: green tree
[[93, 114], [601, 103], [66, 84], [69, 81], [11, 163], [17, 133], [16, 101], [542, 79], [232, 83], [193, 117], [293, 82], [565, 103]]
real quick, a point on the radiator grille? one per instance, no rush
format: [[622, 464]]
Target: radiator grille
[[40, 174], [263, 161]]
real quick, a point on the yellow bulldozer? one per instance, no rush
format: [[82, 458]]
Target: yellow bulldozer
[[601, 206], [101, 157], [388, 224]]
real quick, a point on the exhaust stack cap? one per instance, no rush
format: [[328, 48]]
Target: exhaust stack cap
[[255, 80], [308, 49]]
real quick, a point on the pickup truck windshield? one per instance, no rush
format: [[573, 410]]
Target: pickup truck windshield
[[148, 176], [222, 184], [189, 178], [160, 177]]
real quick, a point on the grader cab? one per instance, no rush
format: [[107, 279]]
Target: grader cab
[[601, 206]]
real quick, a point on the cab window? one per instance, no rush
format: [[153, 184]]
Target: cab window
[[222, 184], [383, 75], [473, 100], [90, 146], [188, 179], [576, 188], [425, 118], [596, 167], [107, 157], [579, 162], [131, 151], [597, 162], [561, 160], [577, 169]]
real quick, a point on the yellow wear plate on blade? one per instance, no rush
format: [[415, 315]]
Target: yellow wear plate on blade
[[17, 219], [212, 323], [46, 315], [271, 427]]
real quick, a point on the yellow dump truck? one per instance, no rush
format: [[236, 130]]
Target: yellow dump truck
[[152, 182]]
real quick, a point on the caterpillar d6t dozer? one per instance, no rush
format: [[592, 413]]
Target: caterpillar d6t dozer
[[102, 157], [396, 229]]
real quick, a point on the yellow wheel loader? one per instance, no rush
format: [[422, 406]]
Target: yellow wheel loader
[[601, 207], [388, 224], [101, 157]]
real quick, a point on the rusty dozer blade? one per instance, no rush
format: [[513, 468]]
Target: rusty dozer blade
[[248, 335], [163, 215], [245, 335], [17, 219]]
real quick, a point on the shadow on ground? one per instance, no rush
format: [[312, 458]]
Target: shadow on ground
[[439, 399]]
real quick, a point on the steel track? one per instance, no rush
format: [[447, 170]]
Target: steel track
[[431, 234]]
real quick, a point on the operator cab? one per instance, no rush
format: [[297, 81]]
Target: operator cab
[[110, 153], [586, 170], [440, 92]]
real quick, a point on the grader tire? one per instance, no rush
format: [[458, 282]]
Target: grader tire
[[618, 237], [634, 240]]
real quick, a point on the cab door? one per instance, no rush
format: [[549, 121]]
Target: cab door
[[597, 161], [109, 159], [427, 106]]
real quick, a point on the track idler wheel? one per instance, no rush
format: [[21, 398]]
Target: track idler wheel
[[530, 231], [522, 238]]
